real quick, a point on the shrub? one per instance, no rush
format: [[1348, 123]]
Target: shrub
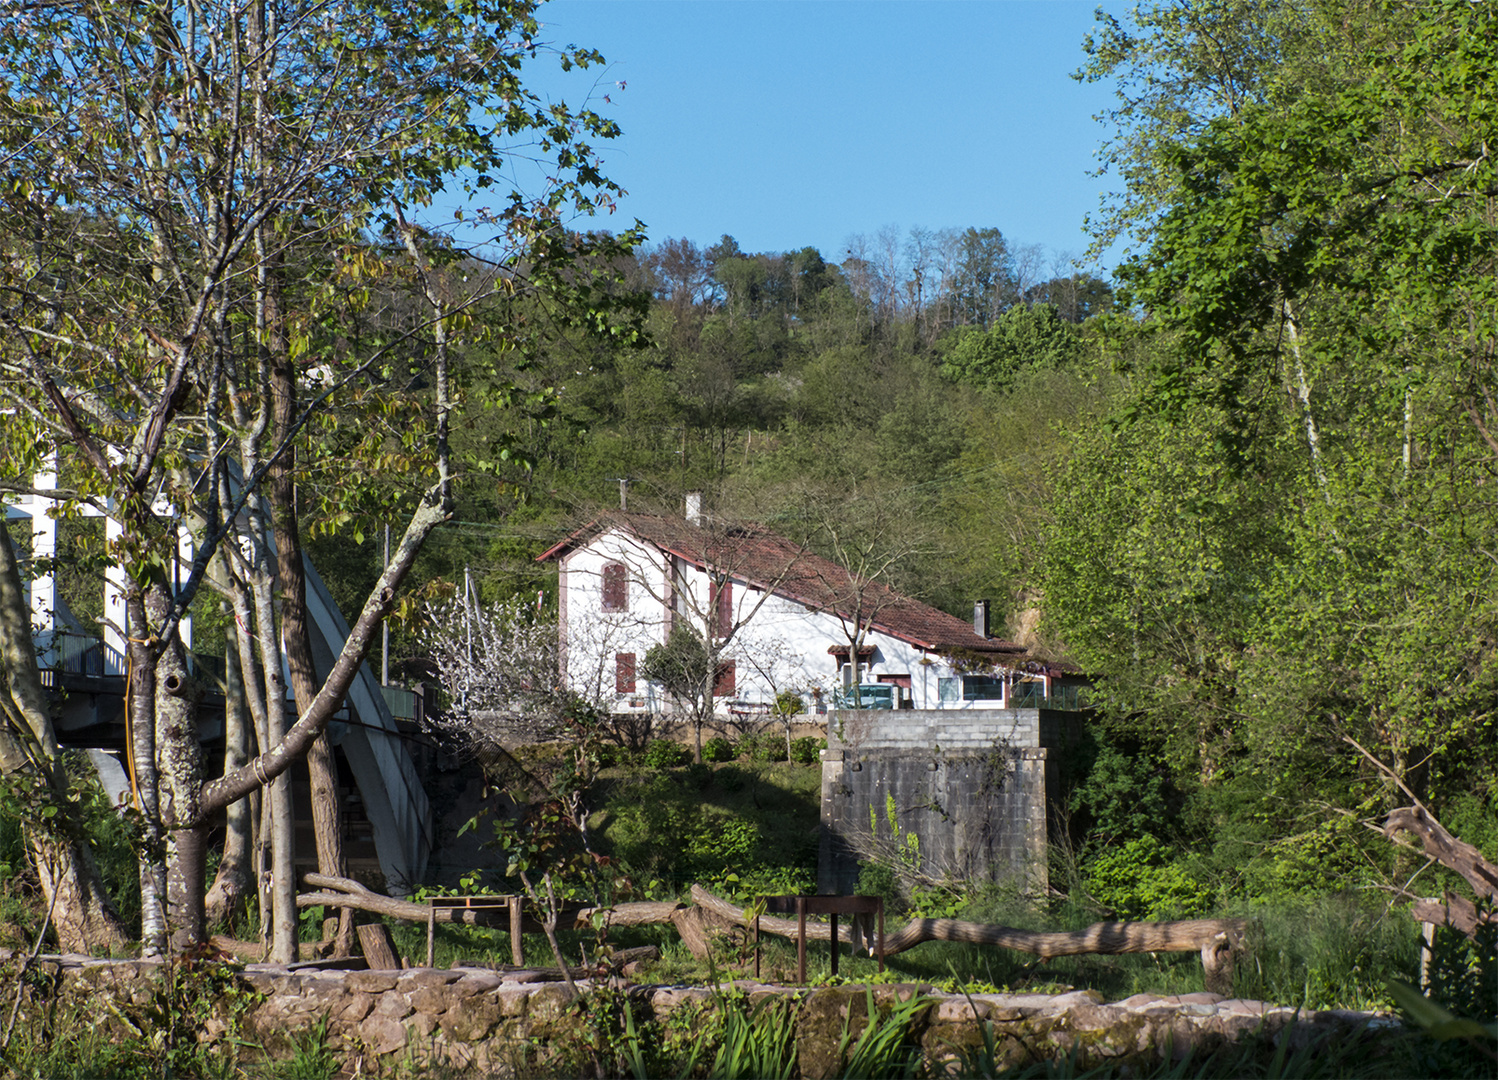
[[717, 749], [665, 754], [746, 882], [880, 879], [767, 747], [1142, 880], [806, 750], [608, 755]]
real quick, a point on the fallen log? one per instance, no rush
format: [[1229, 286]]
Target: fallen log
[[254, 952], [1457, 912], [1218, 940], [1189, 935]]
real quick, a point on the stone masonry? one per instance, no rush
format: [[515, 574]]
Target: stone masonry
[[495, 1023]]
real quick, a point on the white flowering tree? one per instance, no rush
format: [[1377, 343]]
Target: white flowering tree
[[499, 665]]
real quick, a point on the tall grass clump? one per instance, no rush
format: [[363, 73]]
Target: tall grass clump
[[1328, 952]]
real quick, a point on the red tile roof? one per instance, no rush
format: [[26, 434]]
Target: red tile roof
[[756, 556]]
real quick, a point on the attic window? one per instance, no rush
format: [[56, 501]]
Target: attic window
[[615, 587]]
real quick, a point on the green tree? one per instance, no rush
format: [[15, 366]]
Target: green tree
[[1273, 547], [1023, 337], [982, 286], [1177, 67], [191, 159]]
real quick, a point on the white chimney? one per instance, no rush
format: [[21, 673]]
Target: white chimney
[[694, 507]]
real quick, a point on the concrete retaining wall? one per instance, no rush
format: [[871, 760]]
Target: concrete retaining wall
[[963, 794]]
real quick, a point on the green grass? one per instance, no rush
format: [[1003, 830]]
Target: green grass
[[744, 827]]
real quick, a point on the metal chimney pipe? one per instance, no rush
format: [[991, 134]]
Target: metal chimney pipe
[[980, 618]]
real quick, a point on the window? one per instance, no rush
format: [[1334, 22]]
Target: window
[[724, 682], [722, 605], [615, 587], [624, 673], [982, 688], [948, 691]]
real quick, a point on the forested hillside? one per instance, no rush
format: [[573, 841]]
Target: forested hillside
[[910, 393]]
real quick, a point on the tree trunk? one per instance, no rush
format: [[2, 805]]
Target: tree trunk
[[325, 817], [82, 915], [281, 889], [327, 821], [140, 715], [180, 770], [231, 886]]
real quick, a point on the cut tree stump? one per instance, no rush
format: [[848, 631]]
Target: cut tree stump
[[378, 947]]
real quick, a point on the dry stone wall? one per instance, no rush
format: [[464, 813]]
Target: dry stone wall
[[489, 1023]]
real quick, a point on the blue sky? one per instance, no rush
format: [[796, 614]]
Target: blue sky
[[798, 122]]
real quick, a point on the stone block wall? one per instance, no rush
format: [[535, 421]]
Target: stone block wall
[[479, 1022], [959, 793]]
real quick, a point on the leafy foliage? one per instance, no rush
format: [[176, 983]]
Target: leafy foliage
[[1021, 338], [1141, 880], [718, 749], [666, 754]]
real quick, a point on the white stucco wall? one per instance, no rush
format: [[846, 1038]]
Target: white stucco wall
[[779, 644], [592, 637]]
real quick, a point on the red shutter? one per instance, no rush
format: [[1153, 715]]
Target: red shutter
[[723, 607], [615, 588], [624, 672], [724, 683]]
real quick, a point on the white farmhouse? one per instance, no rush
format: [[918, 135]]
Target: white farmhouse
[[781, 619]]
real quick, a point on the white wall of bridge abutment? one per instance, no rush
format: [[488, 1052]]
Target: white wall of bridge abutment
[[38, 509], [391, 789], [43, 590], [116, 619]]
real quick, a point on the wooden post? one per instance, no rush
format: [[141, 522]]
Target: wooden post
[[431, 933], [517, 950], [833, 918], [801, 939], [1427, 947]]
